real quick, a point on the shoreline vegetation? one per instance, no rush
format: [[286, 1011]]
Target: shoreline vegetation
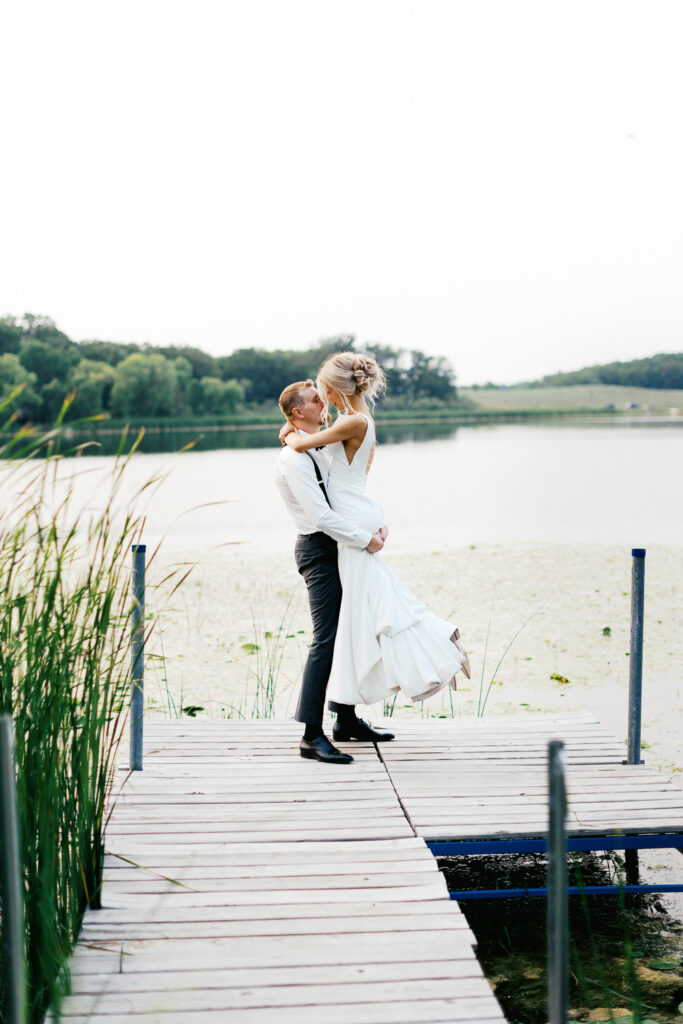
[[499, 406], [45, 376]]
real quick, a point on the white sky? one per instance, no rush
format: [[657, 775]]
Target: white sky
[[498, 181]]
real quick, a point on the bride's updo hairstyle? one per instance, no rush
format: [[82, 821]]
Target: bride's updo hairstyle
[[350, 373]]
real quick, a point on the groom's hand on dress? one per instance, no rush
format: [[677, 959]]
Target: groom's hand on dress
[[376, 544]]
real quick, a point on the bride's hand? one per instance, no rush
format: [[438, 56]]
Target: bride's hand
[[286, 429], [384, 532]]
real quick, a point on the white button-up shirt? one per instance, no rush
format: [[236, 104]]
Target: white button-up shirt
[[298, 485]]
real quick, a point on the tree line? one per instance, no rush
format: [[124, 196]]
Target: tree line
[[663, 371], [40, 366]]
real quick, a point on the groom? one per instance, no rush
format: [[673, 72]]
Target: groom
[[300, 478]]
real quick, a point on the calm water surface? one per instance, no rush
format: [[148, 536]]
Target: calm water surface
[[606, 482]]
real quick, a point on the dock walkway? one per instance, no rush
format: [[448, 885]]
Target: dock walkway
[[244, 884], [485, 779]]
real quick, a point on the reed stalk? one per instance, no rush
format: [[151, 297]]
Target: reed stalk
[[64, 678]]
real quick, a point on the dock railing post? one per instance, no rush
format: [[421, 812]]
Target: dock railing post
[[11, 882], [137, 653], [558, 903], [635, 683]]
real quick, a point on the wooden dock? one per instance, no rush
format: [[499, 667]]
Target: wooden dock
[[244, 884], [485, 779], [247, 884]]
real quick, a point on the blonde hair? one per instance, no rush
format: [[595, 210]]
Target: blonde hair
[[349, 373], [292, 396]]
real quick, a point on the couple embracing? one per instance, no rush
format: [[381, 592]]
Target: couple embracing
[[371, 636]]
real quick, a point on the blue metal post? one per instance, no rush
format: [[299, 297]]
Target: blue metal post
[[635, 685], [558, 904], [137, 691], [11, 882]]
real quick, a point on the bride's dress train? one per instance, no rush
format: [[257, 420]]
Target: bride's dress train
[[387, 640]]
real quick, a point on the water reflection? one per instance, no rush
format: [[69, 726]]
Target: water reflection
[[104, 441], [206, 439], [441, 484]]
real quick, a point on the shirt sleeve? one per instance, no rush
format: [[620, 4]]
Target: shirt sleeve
[[300, 476]]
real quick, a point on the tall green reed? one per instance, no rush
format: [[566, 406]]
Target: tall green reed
[[483, 697], [64, 679], [266, 653]]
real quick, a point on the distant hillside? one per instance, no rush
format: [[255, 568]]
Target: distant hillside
[[578, 398], [661, 371]]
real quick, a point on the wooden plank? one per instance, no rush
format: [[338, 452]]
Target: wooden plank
[[213, 998], [353, 869], [387, 826], [431, 1011], [578, 811], [198, 794], [206, 882], [577, 789], [133, 908], [600, 799], [377, 807], [428, 891], [363, 848], [265, 854], [268, 976], [322, 949], [196, 928]]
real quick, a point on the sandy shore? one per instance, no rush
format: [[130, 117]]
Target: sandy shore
[[200, 653]]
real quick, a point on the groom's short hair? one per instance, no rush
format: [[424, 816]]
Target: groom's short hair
[[293, 396]]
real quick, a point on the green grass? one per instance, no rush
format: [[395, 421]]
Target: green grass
[[64, 679], [575, 399]]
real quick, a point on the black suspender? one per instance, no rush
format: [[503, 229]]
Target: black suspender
[[319, 476]]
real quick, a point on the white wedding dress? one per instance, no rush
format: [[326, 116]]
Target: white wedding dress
[[387, 640]]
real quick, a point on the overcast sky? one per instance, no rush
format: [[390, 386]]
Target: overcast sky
[[497, 181]]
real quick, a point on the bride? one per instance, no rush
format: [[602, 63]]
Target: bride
[[387, 640]]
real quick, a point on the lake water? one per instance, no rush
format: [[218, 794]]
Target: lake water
[[605, 481]]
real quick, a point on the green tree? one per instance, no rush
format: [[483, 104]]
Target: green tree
[[221, 397], [111, 352], [10, 335], [430, 377], [266, 373], [48, 363], [92, 383], [395, 363], [183, 373], [43, 328], [26, 404], [233, 396], [52, 397], [203, 364], [144, 385]]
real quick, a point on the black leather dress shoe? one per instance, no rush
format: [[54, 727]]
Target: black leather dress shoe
[[360, 730], [320, 749]]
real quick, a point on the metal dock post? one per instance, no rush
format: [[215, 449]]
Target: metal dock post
[[137, 643], [558, 903], [11, 881], [635, 684]]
